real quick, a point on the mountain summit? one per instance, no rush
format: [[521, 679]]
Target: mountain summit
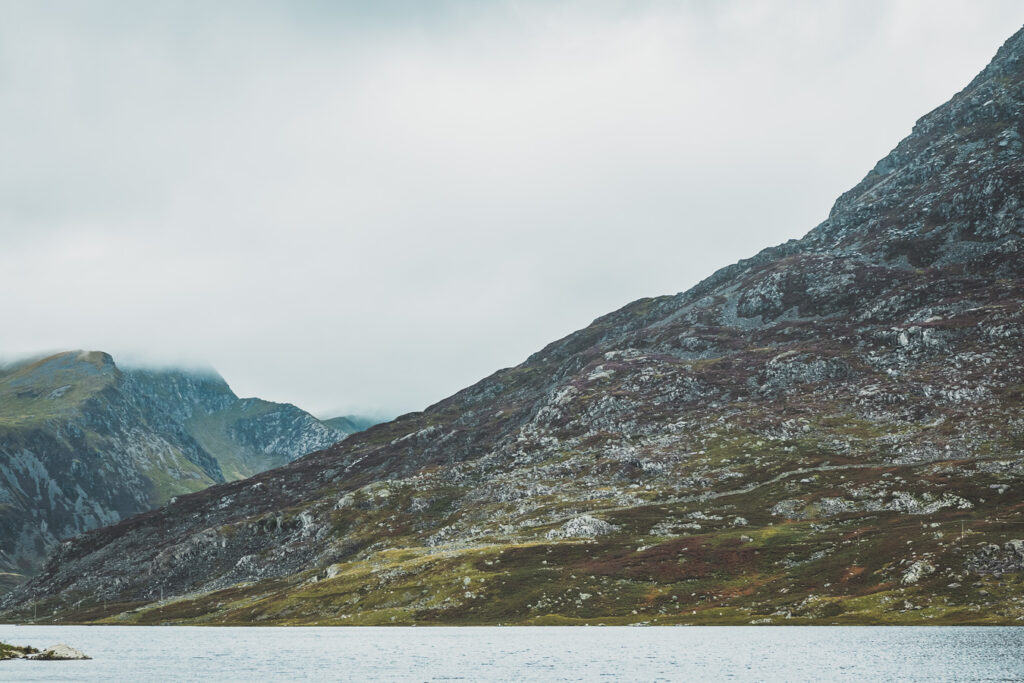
[[827, 432]]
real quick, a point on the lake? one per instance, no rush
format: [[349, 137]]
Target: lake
[[262, 654]]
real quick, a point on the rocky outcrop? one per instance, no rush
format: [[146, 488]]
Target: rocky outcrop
[[991, 558], [917, 571], [59, 652], [582, 527]]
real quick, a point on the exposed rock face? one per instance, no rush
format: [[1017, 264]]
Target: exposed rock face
[[854, 396], [582, 527], [84, 444]]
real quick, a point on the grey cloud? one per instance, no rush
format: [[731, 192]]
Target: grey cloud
[[367, 206]]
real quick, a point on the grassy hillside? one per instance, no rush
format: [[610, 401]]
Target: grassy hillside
[[54, 387], [213, 432]]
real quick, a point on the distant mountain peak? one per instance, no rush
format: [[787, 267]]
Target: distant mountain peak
[[83, 361], [350, 424], [948, 192], [100, 359]]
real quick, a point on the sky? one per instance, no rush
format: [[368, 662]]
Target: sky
[[366, 206]]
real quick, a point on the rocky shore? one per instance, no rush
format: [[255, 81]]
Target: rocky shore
[[54, 653]]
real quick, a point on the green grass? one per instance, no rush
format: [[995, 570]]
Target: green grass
[[50, 388], [8, 651], [187, 477], [711, 578]]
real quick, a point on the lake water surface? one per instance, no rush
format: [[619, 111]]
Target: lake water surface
[[261, 654]]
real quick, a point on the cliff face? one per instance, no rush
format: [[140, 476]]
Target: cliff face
[[84, 444], [830, 431]]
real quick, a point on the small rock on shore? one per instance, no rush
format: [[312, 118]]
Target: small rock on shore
[[59, 652], [55, 653]]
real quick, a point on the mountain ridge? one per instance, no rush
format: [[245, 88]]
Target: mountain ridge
[[84, 443]]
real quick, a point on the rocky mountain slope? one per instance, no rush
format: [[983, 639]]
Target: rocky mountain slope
[[828, 432], [84, 444]]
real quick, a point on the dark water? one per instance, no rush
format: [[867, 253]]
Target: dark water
[[258, 655]]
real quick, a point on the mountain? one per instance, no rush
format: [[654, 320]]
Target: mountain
[[84, 444], [350, 424], [828, 432]]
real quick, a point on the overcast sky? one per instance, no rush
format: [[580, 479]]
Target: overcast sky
[[366, 206]]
